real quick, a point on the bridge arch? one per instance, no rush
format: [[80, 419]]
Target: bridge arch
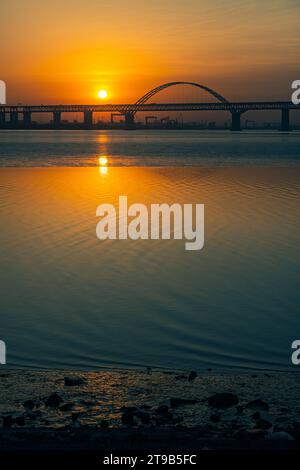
[[159, 88]]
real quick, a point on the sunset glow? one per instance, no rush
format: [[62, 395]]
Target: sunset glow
[[197, 41]]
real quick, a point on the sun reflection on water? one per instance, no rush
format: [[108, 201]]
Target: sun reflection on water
[[103, 161]]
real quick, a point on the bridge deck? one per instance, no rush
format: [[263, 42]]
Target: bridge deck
[[149, 107]]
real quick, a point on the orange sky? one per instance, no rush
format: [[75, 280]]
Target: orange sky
[[65, 51]]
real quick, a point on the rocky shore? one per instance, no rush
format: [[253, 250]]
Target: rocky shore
[[263, 408]]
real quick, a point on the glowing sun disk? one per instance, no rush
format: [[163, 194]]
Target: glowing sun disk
[[102, 94]]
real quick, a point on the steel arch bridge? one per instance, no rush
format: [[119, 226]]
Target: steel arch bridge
[[147, 96], [129, 110]]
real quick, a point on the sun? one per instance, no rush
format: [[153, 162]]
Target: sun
[[102, 94], [103, 161]]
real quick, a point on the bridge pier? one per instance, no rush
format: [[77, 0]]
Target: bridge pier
[[285, 120], [56, 119], [14, 119], [88, 119], [129, 121], [27, 119], [235, 121], [2, 119]]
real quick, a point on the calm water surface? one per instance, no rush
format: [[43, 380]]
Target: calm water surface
[[148, 148], [70, 300]]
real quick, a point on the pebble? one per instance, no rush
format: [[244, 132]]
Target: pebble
[[161, 409], [192, 376], [128, 418], [175, 402], [54, 400], [20, 420], [104, 424], [7, 421], [74, 381], [143, 416], [223, 400]]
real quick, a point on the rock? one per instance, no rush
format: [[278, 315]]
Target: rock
[[175, 402], [215, 417], [261, 414], [283, 427], [223, 400], [104, 424], [262, 423], [239, 409], [241, 422], [192, 376], [74, 381], [75, 416], [145, 407], [7, 421], [256, 416], [181, 377], [33, 415], [258, 405], [129, 409], [128, 418], [280, 436], [29, 404], [161, 409], [163, 415], [20, 420], [143, 416], [67, 407], [54, 400]]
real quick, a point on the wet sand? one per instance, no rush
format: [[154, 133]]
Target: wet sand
[[50, 408]]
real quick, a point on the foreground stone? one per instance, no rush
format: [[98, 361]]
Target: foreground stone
[[192, 376], [54, 400], [175, 402], [74, 381], [223, 400]]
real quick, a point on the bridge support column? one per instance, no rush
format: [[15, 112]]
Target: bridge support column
[[88, 119], [285, 120], [129, 121], [235, 121], [14, 119], [2, 119], [56, 119], [27, 119]]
